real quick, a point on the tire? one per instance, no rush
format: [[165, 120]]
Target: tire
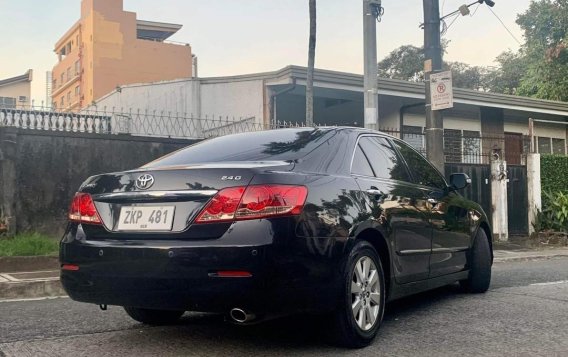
[[480, 262], [154, 317], [357, 328]]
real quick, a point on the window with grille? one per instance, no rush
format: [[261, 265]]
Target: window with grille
[[7, 102]]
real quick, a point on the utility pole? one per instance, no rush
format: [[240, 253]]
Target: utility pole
[[372, 11], [311, 64], [433, 64]]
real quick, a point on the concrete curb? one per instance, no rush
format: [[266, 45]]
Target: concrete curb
[[21, 264], [31, 289]]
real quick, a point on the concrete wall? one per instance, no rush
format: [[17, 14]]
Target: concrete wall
[[171, 96], [233, 99], [40, 171], [193, 98]]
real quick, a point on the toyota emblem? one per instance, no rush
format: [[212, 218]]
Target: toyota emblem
[[144, 182]]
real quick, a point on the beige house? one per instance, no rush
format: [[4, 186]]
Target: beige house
[[15, 92], [109, 47]]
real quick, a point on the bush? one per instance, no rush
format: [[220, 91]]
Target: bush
[[28, 244], [554, 185], [554, 214], [554, 173]]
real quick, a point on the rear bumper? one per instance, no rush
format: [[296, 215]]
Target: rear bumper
[[181, 275], [175, 278]]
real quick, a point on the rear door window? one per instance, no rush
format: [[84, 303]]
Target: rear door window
[[383, 158], [361, 165], [423, 172]]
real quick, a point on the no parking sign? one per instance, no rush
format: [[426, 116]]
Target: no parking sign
[[441, 90]]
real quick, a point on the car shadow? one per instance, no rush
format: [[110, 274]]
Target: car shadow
[[297, 331]]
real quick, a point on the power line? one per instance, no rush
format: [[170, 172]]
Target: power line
[[505, 26], [475, 12], [451, 23]]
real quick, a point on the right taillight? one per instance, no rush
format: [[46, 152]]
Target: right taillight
[[254, 202], [83, 209]]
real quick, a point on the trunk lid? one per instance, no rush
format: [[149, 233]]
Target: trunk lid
[[130, 203]]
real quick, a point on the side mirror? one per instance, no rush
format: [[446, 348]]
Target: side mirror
[[459, 181]]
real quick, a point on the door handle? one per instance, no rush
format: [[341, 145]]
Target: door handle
[[432, 201], [374, 192], [377, 194]]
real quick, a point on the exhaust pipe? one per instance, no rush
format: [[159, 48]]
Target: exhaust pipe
[[241, 316]]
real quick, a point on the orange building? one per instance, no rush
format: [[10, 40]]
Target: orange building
[[108, 47]]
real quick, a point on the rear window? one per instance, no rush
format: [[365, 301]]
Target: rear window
[[273, 145]]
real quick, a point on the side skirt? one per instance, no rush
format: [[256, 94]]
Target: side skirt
[[399, 291]]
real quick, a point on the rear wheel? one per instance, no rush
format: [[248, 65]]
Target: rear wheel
[[362, 299], [154, 317], [479, 265]]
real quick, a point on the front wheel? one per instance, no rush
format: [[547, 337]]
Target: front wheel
[[153, 317], [479, 265], [362, 300]]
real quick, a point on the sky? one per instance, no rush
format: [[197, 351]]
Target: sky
[[233, 37]]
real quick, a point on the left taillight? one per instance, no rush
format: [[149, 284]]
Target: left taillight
[[83, 209]]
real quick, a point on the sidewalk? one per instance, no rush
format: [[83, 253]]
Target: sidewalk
[[526, 254], [38, 277]]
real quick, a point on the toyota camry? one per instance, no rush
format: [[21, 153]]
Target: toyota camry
[[329, 221]]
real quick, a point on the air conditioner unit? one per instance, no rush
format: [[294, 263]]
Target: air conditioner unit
[[22, 98]]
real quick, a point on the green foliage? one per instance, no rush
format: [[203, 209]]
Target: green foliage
[[466, 76], [506, 78], [28, 244], [545, 26], [554, 183], [554, 214], [554, 173], [405, 62]]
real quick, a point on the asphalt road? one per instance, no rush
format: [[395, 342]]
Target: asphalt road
[[515, 318]]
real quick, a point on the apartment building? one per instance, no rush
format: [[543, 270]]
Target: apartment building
[[109, 47]]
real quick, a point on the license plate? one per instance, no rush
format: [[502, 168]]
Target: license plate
[[145, 218]]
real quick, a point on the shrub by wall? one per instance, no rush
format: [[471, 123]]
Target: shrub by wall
[[554, 173]]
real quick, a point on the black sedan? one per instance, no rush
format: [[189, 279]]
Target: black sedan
[[333, 221]]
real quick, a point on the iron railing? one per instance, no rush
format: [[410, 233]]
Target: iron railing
[[460, 146]]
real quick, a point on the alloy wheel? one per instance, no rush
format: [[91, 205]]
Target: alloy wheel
[[365, 293]]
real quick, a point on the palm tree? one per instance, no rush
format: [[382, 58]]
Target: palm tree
[[311, 63]]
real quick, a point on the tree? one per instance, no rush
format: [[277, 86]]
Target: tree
[[311, 64], [405, 62], [507, 77], [466, 76], [545, 26]]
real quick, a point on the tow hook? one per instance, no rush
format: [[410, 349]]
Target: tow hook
[[103, 307]]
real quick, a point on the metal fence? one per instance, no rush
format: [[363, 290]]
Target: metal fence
[[470, 147], [460, 146], [133, 122]]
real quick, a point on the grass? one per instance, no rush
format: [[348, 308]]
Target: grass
[[28, 244]]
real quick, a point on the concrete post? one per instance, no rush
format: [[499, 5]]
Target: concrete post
[[499, 200], [533, 188], [8, 179], [370, 79]]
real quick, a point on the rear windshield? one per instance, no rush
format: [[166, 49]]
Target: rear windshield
[[273, 145]]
